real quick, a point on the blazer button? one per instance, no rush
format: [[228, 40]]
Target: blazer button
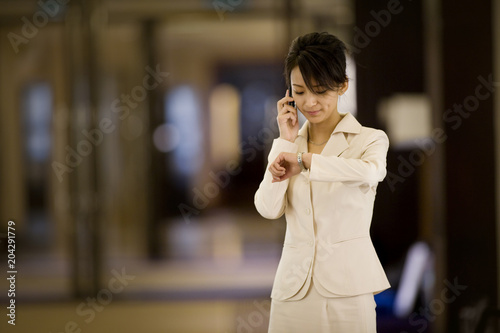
[[308, 211]]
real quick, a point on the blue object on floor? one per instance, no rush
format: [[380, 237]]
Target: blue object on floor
[[385, 302]]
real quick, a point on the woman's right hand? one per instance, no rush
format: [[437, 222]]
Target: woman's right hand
[[288, 121]]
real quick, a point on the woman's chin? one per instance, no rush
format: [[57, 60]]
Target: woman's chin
[[314, 119]]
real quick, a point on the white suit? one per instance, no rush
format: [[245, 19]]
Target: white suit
[[328, 211]]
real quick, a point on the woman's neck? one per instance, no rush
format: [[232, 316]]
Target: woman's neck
[[320, 132]]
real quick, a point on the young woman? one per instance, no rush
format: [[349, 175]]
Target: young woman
[[323, 177]]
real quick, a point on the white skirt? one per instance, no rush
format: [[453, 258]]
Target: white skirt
[[318, 314]]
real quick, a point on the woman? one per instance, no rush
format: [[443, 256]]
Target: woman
[[323, 177]]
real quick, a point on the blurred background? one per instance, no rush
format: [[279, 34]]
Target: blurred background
[[134, 134]]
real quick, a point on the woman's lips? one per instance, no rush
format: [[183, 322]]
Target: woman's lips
[[313, 113]]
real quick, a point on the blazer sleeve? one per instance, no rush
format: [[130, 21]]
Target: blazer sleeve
[[369, 169], [270, 198]]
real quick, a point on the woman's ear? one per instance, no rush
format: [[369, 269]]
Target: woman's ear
[[344, 87]]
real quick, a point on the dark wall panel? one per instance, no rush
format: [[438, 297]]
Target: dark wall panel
[[470, 168], [388, 48]]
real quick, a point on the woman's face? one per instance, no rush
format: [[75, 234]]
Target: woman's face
[[316, 106]]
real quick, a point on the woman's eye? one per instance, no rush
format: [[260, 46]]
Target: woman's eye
[[299, 92], [321, 92]]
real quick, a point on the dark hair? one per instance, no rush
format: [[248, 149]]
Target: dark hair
[[320, 57]]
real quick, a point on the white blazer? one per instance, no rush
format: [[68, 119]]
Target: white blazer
[[328, 211]]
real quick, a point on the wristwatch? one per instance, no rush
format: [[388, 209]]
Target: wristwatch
[[299, 159]]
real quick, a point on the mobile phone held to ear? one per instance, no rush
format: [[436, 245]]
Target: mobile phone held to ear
[[290, 94]]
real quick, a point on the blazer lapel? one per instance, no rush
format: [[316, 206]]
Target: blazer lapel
[[336, 145], [338, 142]]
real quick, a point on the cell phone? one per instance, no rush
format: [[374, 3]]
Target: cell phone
[[290, 94]]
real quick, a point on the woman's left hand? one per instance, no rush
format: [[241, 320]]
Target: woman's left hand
[[284, 167]]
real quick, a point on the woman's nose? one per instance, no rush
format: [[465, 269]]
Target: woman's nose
[[311, 100]]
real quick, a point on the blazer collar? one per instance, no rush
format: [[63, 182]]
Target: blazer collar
[[337, 142]]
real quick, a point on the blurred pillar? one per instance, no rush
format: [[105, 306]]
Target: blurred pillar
[[496, 65], [289, 19], [469, 166], [157, 175], [12, 190], [83, 24], [432, 181]]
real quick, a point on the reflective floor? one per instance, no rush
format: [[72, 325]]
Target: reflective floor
[[218, 278], [139, 297], [156, 316]]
